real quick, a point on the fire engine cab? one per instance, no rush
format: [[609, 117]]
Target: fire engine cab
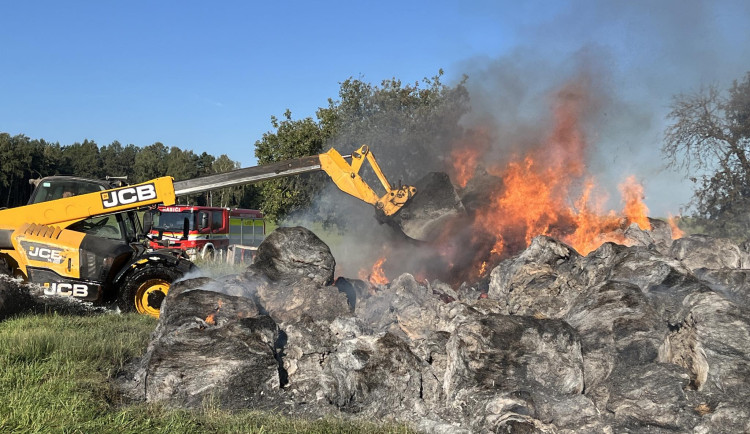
[[203, 231]]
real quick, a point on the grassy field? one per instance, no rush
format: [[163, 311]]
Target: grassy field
[[55, 374]]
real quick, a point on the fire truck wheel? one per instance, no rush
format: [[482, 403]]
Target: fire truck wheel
[[146, 288], [208, 253]]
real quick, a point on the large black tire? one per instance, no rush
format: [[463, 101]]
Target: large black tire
[[145, 289]]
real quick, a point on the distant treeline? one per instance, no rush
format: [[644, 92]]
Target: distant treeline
[[22, 158]]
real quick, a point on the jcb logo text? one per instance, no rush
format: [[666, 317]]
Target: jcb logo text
[[45, 254], [74, 289], [129, 195]]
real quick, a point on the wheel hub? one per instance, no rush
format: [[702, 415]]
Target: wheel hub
[[155, 298], [150, 296]]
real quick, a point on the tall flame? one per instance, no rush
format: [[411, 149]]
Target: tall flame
[[547, 190], [544, 190], [635, 209]]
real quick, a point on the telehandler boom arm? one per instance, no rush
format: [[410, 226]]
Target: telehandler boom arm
[[164, 190], [345, 175]]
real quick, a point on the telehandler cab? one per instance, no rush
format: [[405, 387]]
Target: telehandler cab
[[83, 238]]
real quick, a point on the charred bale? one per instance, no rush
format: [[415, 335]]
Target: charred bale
[[712, 342], [734, 285], [294, 253], [618, 329], [649, 396], [307, 345], [701, 251], [541, 281], [501, 365], [404, 307], [658, 236], [289, 302], [209, 347], [375, 377]]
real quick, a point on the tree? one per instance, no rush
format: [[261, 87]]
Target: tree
[[82, 159], [151, 162], [118, 160], [181, 164], [710, 140], [15, 159], [204, 164], [292, 139], [229, 196], [409, 127]]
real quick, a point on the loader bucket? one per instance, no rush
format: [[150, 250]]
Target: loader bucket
[[435, 205]]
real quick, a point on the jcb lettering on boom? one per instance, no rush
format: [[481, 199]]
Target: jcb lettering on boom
[[75, 289], [128, 195]]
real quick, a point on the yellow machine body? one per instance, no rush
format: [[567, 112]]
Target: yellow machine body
[[57, 243]]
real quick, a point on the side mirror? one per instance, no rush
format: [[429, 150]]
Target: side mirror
[[148, 222], [185, 228]]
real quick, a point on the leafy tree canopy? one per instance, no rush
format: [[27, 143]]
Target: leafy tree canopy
[[408, 126], [709, 140]]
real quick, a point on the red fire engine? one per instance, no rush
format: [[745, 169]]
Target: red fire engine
[[209, 229]]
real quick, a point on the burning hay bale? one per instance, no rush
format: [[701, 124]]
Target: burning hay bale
[[622, 339]]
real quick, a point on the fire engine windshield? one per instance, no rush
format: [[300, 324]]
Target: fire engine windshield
[[173, 221]]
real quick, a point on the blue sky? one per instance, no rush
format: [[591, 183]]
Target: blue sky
[[207, 76]]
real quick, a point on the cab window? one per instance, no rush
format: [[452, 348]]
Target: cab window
[[58, 189], [101, 226], [217, 220]]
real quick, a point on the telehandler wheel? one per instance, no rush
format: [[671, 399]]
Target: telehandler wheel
[[146, 288]]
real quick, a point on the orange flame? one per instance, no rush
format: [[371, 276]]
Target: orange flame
[[211, 318], [676, 231], [466, 155], [543, 190], [591, 228], [376, 275], [635, 209], [537, 190], [483, 268], [464, 164]]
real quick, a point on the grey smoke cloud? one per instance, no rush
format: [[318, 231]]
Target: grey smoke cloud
[[639, 55]]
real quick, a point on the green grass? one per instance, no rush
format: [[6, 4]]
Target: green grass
[[55, 374]]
